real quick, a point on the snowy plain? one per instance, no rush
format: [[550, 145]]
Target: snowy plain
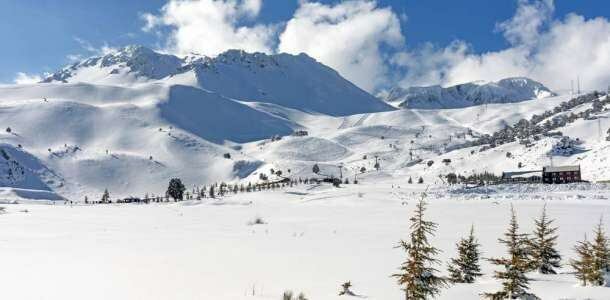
[[316, 238]]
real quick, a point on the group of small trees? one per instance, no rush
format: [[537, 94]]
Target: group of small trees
[[420, 180], [566, 146], [289, 295], [526, 130], [178, 192], [477, 178], [525, 253]]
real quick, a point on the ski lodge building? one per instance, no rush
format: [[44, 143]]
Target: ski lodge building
[[562, 174], [533, 176], [549, 175]]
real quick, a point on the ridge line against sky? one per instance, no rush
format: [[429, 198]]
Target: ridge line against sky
[[368, 41]]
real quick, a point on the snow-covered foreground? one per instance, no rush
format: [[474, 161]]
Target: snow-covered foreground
[[316, 238]]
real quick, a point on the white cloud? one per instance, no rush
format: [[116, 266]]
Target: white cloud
[[23, 78], [210, 27], [525, 26], [347, 37], [546, 49], [365, 44]]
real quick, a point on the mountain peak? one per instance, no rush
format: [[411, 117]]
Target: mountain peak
[[137, 60], [513, 89]]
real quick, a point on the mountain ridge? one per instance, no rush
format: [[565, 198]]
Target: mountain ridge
[[294, 81], [507, 90]]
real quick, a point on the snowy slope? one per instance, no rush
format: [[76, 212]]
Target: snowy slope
[[291, 81], [160, 117], [468, 94], [128, 140]]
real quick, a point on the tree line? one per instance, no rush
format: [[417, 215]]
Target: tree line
[[537, 251], [177, 191]]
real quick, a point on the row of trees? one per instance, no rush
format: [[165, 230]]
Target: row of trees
[[177, 191], [525, 253], [528, 130], [476, 178]]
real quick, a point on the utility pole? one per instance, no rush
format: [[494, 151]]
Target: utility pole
[[340, 170], [599, 127], [572, 87], [578, 80]]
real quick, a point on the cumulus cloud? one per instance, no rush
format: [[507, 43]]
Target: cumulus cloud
[[24, 78], [525, 26], [364, 42], [347, 36], [546, 49], [212, 26]]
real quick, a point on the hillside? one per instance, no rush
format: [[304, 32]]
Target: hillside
[[298, 82], [160, 117], [469, 94]]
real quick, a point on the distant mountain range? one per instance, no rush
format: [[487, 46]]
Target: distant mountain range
[[507, 90]]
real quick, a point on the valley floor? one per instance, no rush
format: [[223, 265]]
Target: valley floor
[[316, 238]]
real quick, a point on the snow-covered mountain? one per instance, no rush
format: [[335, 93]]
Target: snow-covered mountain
[[469, 94], [298, 82], [131, 120]]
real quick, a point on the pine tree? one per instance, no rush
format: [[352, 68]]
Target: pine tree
[[465, 268], [106, 196], [544, 257], [176, 189], [514, 282], [585, 264], [212, 194], [601, 253], [418, 275]]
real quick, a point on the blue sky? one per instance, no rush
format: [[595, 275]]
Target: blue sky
[[39, 35]]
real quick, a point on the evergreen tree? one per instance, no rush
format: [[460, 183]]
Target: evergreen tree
[[420, 180], [601, 253], [417, 274], [514, 282], [212, 194], [315, 169], [106, 196], [465, 268], [584, 265], [410, 180], [176, 189], [545, 258]]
